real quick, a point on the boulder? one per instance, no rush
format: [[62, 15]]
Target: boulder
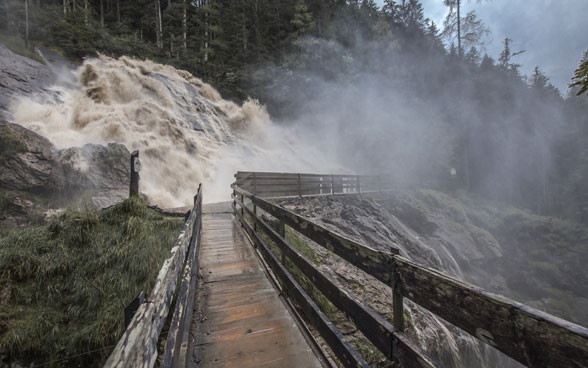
[[96, 166], [28, 161]]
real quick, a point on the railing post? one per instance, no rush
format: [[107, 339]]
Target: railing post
[[282, 232], [234, 202], [397, 302], [332, 184], [254, 185], [358, 187], [299, 186], [242, 207], [254, 214], [135, 168]]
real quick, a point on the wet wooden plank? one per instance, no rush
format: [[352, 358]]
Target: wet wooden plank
[[243, 323]]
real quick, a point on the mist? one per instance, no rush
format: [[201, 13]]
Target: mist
[[414, 112]]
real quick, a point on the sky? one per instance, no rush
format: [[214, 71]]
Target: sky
[[554, 33]]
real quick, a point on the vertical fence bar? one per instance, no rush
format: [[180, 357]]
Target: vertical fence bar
[[358, 187], [397, 302], [135, 167], [332, 184], [254, 185], [255, 214], [299, 186], [242, 209], [282, 232]]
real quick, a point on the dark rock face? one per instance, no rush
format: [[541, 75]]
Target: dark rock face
[[34, 168], [96, 166], [20, 76], [35, 176]]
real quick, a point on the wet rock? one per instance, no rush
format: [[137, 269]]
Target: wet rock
[[19, 76], [96, 166], [28, 161]]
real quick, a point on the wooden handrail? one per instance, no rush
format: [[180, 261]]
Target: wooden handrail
[[179, 330], [531, 337], [392, 343], [273, 184], [138, 345]]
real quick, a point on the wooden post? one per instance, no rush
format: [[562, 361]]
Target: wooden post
[[397, 303], [299, 187], [234, 202], [358, 187], [255, 214], [242, 209], [282, 232], [332, 184], [135, 167], [254, 184]]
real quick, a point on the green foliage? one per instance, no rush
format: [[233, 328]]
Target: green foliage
[[64, 286], [10, 143], [581, 76]]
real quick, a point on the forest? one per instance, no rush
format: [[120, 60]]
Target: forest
[[363, 73]]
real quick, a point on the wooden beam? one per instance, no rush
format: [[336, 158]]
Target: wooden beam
[[374, 262], [533, 338], [138, 345], [173, 354]]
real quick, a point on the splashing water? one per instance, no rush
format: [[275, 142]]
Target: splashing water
[[185, 131]]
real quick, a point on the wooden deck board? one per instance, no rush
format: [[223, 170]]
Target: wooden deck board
[[239, 319]]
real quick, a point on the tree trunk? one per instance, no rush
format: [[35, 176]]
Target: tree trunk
[[156, 23], [118, 11], [458, 29], [160, 25], [64, 7], [205, 37], [185, 26], [102, 12], [27, 24], [86, 12]]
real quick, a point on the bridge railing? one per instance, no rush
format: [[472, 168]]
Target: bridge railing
[[138, 347], [271, 184], [531, 337]]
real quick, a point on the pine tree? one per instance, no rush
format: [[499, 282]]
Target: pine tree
[[580, 78]]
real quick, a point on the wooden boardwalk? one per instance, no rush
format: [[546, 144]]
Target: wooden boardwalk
[[239, 319]]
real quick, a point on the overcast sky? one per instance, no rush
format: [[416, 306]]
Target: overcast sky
[[554, 33]]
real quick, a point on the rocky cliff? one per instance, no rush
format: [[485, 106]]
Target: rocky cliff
[[20, 76], [36, 177]]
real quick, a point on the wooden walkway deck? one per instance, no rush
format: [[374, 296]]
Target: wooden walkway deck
[[239, 319]]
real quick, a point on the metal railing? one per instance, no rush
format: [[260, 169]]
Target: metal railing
[[531, 337]]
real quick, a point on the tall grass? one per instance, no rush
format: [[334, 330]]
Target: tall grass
[[64, 286]]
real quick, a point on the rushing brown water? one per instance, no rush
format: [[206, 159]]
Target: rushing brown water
[[185, 131]]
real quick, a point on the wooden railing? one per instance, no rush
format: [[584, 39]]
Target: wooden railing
[[138, 345], [272, 184], [531, 337]]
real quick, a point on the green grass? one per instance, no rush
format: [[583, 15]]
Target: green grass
[[64, 285], [16, 44], [10, 142]]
